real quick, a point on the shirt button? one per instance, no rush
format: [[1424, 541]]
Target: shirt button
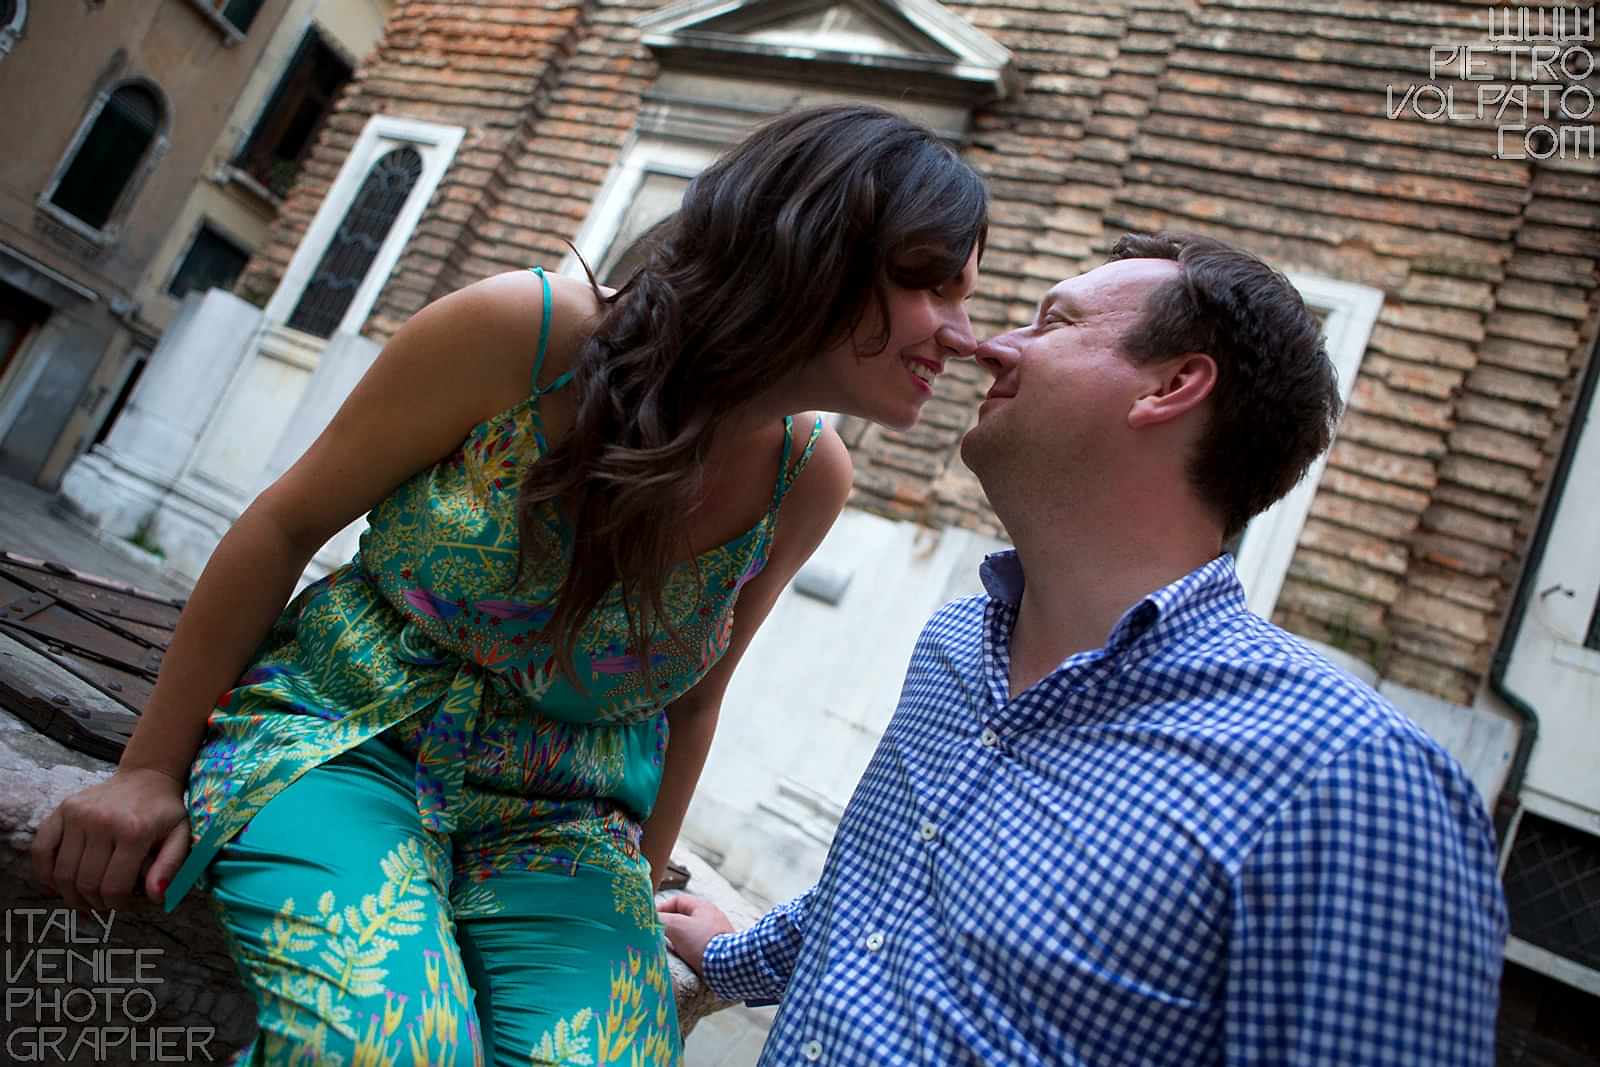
[[928, 830], [812, 1050], [988, 739], [874, 942]]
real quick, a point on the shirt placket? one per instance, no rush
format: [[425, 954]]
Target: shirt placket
[[875, 925], [1050, 699]]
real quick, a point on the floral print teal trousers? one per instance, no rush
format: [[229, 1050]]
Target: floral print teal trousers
[[366, 942]]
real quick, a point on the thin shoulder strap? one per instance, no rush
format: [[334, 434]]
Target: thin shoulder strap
[[787, 475], [544, 342]]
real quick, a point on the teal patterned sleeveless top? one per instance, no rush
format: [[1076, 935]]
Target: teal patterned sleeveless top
[[429, 637]]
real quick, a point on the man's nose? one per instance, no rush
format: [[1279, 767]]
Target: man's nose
[[996, 354]]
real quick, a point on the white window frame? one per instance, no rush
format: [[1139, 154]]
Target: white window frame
[[1270, 540], [644, 155], [11, 32], [1569, 560], [436, 144], [107, 234], [209, 10]]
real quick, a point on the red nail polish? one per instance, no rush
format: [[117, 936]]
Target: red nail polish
[[161, 886]]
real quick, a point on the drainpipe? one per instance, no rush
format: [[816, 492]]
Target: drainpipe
[[1529, 733]]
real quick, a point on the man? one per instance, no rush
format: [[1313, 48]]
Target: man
[[1116, 818]]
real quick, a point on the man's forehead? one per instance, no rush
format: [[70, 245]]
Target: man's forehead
[[1113, 282]]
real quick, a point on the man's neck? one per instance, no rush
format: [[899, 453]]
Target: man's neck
[[1082, 577]]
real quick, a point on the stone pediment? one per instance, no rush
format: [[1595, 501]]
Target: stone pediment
[[914, 45]]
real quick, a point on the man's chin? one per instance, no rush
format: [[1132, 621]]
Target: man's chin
[[975, 449]]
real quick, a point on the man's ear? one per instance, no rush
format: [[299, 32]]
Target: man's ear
[[1180, 385]]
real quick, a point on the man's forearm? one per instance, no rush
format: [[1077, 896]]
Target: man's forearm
[[756, 964]]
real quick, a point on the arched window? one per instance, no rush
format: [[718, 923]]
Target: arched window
[[348, 257], [109, 155], [13, 16]]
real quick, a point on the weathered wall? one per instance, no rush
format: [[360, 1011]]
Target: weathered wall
[[51, 69], [1257, 121]]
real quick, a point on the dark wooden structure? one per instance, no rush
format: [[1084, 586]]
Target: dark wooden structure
[[89, 652]]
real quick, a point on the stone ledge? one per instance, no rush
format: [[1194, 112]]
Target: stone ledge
[[695, 998], [200, 1010]]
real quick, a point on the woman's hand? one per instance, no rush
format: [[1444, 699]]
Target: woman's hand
[[92, 848]]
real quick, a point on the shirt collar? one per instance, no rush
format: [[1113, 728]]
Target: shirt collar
[[1201, 594], [1001, 573]]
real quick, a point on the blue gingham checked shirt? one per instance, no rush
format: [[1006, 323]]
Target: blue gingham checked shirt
[[1201, 844]]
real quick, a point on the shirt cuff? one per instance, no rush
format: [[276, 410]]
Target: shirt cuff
[[734, 969]]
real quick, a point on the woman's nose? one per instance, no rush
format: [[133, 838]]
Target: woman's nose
[[956, 338]]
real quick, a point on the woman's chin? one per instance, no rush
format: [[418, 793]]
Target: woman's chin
[[892, 414], [900, 418]]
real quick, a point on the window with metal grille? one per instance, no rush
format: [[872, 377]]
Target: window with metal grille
[[109, 155], [348, 257], [284, 132], [1552, 884], [212, 262]]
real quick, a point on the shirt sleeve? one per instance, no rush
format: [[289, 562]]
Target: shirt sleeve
[[1368, 924], [755, 964]]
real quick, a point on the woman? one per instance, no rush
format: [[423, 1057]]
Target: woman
[[434, 806]]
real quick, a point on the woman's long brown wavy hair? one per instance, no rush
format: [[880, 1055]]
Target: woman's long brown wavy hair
[[776, 255]]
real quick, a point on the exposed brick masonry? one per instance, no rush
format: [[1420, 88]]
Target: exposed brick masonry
[[1259, 121]]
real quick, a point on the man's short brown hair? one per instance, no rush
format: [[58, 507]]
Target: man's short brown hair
[[1276, 401]]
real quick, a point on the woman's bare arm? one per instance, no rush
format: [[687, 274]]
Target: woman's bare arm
[[458, 361], [808, 513]]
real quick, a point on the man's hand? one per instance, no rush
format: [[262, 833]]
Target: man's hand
[[691, 924]]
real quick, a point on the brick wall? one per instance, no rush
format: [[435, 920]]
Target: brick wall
[[1258, 121]]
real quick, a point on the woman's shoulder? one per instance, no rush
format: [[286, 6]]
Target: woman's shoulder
[[820, 474], [812, 492], [506, 314]]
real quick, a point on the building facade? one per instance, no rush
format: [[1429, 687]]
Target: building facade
[[157, 144], [1443, 550]]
